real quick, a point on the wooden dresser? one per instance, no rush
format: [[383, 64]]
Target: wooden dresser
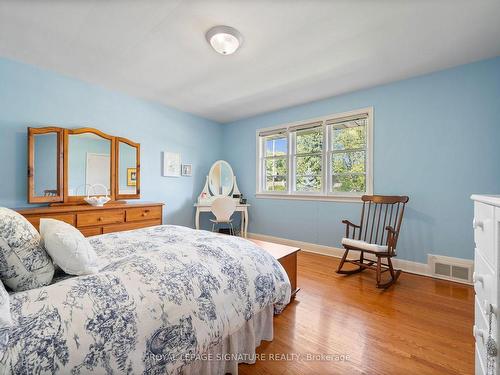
[[91, 221]]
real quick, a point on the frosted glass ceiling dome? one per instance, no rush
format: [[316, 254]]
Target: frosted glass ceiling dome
[[224, 39]]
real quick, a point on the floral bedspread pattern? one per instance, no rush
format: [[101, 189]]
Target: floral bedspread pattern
[[163, 294]]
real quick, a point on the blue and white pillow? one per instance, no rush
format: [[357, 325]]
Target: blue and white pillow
[[5, 317], [24, 263]]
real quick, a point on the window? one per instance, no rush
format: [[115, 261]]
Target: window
[[276, 162], [327, 158], [308, 157], [348, 155]]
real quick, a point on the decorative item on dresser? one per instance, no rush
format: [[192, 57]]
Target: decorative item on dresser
[[486, 224], [91, 221]]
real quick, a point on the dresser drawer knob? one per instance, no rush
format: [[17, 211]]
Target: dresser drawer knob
[[478, 333], [477, 224], [99, 218], [487, 305], [477, 278]]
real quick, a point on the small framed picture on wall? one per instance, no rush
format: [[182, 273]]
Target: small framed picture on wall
[[187, 170]]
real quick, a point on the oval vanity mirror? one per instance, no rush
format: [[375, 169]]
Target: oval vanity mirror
[[221, 178]]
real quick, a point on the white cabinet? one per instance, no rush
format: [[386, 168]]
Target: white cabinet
[[486, 224]]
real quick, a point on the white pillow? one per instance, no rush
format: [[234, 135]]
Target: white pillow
[[68, 248]]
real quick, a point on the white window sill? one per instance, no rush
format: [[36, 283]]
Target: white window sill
[[311, 197]]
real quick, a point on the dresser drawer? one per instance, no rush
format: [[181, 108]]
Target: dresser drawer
[[481, 330], [485, 281], [480, 368], [67, 218], [87, 232], [130, 226], [143, 213], [89, 219], [484, 232]]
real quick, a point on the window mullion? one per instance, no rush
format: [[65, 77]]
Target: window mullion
[[324, 160], [348, 150], [264, 174], [309, 154], [291, 162]]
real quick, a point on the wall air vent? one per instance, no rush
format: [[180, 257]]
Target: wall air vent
[[449, 268]]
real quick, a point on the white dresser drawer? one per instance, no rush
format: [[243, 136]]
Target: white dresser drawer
[[480, 368], [480, 332], [485, 280], [484, 232]]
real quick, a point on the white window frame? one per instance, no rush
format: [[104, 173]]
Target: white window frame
[[293, 156], [263, 159], [325, 194]]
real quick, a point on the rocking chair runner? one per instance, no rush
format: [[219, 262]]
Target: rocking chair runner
[[376, 234]]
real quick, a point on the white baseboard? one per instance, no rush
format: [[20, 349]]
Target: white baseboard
[[404, 265]]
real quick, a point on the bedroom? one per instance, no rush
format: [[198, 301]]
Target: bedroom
[[285, 113]]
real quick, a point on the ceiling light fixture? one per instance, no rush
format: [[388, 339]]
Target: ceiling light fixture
[[224, 39]]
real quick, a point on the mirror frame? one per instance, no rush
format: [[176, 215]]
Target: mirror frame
[[32, 198], [80, 198], [210, 172], [62, 197], [137, 147]]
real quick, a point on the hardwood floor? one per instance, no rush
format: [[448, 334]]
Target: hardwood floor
[[418, 326]]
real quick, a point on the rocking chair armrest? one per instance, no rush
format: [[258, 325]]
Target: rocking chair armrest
[[392, 237], [347, 222], [348, 226], [391, 230]]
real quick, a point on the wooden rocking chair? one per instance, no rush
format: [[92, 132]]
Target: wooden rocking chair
[[376, 234]]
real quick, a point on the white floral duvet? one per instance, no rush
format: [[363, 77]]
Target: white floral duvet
[[163, 293]]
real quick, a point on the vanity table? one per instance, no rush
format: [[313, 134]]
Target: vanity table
[[221, 182]]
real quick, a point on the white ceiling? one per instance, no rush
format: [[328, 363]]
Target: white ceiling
[[294, 51]]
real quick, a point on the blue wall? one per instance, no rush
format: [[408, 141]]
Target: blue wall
[[436, 139], [30, 96]]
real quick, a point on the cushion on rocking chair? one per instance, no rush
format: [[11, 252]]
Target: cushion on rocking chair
[[363, 245]]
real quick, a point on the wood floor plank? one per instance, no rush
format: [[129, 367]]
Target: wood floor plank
[[418, 326]]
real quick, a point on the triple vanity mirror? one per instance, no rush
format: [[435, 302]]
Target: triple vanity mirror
[[67, 165]]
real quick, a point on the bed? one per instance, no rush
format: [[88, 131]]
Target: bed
[[167, 300]]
